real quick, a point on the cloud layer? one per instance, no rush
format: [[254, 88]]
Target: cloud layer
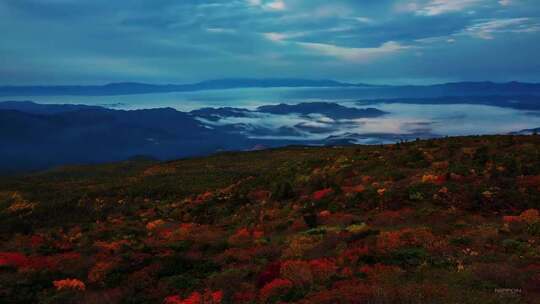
[[413, 41]]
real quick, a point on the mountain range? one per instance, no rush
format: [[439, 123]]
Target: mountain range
[[130, 88], [380, 91], [38, 136]]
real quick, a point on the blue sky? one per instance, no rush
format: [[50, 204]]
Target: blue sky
[[177, 41]]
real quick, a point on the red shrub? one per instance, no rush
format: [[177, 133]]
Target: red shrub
[[270, 273], [275, 288], [319, 195], [322, 269], [36, 241], [13, 259], [510, 219], [325, 214], [173, 300], [529, 181], [20, 261], [257, 234], [389, 241], [208, 297], [352, 255], [241, 235], [245, 297]]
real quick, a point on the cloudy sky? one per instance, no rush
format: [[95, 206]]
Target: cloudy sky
[[177, 41]]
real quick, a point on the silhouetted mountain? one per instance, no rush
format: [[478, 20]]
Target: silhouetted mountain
[[329, 109], [528, 102], [332, 110], [458, 89], [36, 141], [364, 90], [37, 136], [214, 114], [128, 88], [36, 108], [526, 132]]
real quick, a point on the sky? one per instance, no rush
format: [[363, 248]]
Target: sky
[[181, 41]]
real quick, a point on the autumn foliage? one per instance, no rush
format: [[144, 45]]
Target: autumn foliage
[[451, 220]]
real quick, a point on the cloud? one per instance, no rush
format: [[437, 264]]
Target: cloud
[[354, 54], [218, 30], [364, 19], [254, 2], [487, 29], [191, 40], [275, 5], [278, 5], [276, 37], [438, 7]]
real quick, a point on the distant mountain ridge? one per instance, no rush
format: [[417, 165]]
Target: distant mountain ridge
[[39, 136], [132, 88], [384, 91]]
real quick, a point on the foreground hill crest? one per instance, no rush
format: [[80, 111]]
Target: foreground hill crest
[[441, 221]]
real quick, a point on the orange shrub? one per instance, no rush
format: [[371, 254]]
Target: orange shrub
[[434, 179], [111, 247], [153, 225], [530, 216], [259, 195], [299, 245], [391, 240], [100, 270], [353, 190], [296, 271], [70, 284], [201, 198]]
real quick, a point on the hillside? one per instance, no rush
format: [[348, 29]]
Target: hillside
[[451, 220]]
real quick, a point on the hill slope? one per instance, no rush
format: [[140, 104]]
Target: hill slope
[[442, 221]]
